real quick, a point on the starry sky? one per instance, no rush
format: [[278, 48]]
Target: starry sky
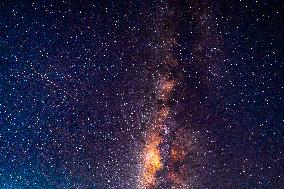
[[155, 94]]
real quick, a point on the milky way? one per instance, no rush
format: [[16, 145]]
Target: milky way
[[141, 94], [162, 151]]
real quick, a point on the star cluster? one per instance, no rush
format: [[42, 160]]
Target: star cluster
[[141, 94]]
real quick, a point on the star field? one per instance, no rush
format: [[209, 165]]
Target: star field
[[141, 94]]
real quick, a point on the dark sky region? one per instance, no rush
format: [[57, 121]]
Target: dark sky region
[[141, 94]]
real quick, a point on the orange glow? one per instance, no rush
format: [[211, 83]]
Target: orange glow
[[171, 61], [168, 86], [151, 161], [177, 154], [175, 178], [163, 114], [166, 89], [181, 148]]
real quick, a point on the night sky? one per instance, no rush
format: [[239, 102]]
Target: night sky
[[141, 94]]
